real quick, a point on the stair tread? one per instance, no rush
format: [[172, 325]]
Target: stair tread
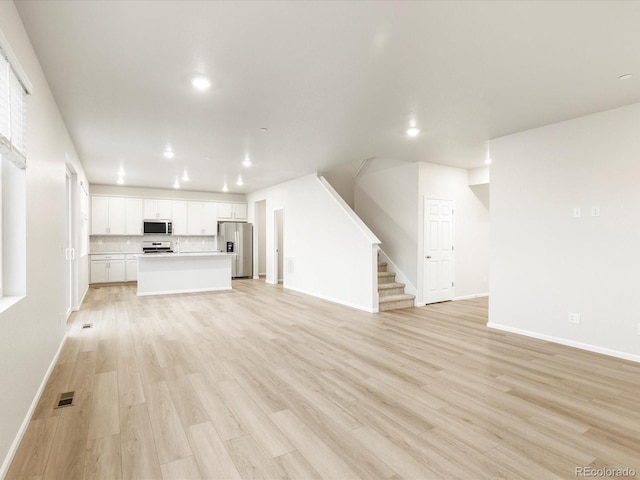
[[396, 298], [384, 286], [386, 274], [382, 264]]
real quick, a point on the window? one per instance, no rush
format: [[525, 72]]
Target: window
[[13, 116], [13, 162]]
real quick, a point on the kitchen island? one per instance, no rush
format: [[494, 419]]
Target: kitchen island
[[166, 273]]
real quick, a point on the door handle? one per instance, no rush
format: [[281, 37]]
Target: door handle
[[427, 257]]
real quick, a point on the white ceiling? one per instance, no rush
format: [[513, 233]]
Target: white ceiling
[[334, 82]]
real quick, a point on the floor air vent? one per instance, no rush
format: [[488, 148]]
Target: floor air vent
[[65, 400], [87, 325]]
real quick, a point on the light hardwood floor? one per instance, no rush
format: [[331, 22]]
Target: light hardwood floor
[[262, 382]]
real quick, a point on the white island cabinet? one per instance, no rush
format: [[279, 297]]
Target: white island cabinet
[[165, 273]]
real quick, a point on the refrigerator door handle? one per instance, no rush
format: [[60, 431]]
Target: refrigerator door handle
[[237, 249]]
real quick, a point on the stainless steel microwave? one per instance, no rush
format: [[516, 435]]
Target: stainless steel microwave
[[157, 227]]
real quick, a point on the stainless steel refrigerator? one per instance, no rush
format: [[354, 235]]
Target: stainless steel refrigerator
[[237, 238]]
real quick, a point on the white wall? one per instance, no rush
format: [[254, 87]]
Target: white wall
[[326, 253], [31, 331], [386, 198], [480, 176], [389, 197], [471, 228], [178, 194], [341, 179], [544, 262]]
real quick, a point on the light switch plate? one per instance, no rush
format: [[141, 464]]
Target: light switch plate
[[574, 318], [595, 211], [577, 212]]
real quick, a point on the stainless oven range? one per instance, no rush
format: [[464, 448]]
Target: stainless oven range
[[156, 247]]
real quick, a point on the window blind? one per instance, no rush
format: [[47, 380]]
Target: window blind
[[13, 115]]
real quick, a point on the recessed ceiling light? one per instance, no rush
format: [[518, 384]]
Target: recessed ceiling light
[[239, 182], [626, 76], [413, 131], [120, 181], [200, 83], [121, 172], [225, 188], [168, 153], [185, 176], [176, 184], [247, 161]]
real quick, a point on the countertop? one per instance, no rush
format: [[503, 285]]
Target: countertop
[[138, 252], [184, 254], [115, 253]]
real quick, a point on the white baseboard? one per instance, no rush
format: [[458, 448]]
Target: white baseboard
[[469, 297], [569, 343], [174, 292], [77, 309], [4, 469], [334, 300]]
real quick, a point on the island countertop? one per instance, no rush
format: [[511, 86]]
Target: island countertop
[[183, 254]]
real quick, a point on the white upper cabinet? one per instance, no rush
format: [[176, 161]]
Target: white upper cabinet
[[202, 218], [125, 215], [179, 217], [225, 211], [240, 211], [155, 208], [194, 215], [232, 211], [107, 216], [210, 218], [133, 216], [99, 215]]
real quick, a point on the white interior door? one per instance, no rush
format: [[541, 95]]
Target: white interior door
[[438, 250]]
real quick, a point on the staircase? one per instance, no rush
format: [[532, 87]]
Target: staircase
[[391, 294]]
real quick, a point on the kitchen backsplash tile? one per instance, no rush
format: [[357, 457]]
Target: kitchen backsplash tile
[[114, 243]]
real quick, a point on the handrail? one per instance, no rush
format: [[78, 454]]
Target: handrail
[[361, 166]]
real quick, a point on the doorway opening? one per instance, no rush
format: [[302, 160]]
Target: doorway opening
[[260, 264], [278, 222], [70, 250]]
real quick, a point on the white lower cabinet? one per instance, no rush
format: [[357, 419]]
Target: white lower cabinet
[[131, 263], [107, 268]]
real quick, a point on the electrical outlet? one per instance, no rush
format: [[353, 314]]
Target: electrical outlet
[[595, 211], [574, 318], [577, 212]]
